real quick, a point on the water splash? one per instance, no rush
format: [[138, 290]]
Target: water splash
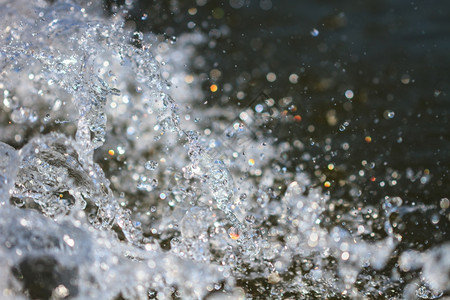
[[114, 196]]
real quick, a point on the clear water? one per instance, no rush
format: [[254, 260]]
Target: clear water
[[117, 188]]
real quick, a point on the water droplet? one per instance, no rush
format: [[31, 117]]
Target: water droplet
[[405, 79], [47, 118], [349, 94], [314, 32], [154, 182], [389, 114], [273, 278], [293, 78], [250, 219], [435, 219], [20, 115], [19, 202], [259, 108], [271, 77], [444, 203], [151, 165], [233, 233]]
